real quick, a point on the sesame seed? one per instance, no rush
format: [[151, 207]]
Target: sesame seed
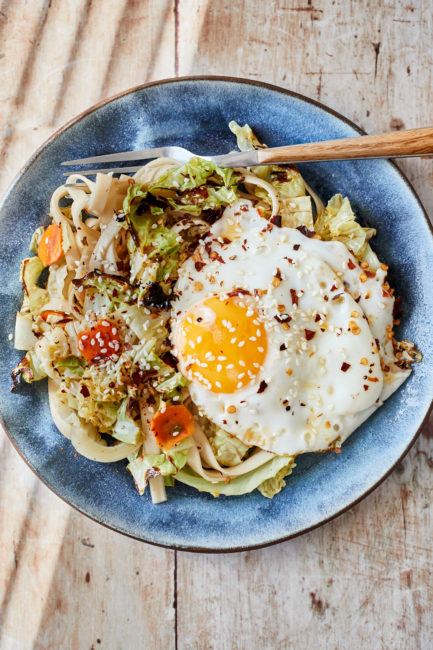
[[230, 366], [261, 349], [241, 344], [105, 323]]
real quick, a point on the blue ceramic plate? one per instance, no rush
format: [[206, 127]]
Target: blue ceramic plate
[[194, 113]]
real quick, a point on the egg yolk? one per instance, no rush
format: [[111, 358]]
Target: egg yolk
[[222, 343]]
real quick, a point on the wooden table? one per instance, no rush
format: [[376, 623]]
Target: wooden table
[[364, 580]]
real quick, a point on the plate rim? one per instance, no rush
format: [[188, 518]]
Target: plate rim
[[279, 89]]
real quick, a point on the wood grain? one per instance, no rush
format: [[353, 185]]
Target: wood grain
[[364, 580], [415, 142]]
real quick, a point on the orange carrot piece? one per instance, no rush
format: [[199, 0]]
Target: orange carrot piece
[[99, 342], [51, 314], [50, 248], [172, 425]]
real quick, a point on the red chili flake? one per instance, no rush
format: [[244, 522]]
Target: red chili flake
[[325, 298], [283, 346], [139, 377], [309, 334], [278, 274], [397, 310], [263, 386], [334, 287], [211, 216], [351, 265], [283, 318], [304, 230], [358, 299], [84, 391], [289, 259], [238, 292], [169, 359], [276, 220], [215, 256], [294, 296], [377, 343], [345, 366], [370, 274], [296, 247], [365, 387], [199, 265], [318, 317], [200, 191], [244, 207], [373, 379], [301, 404]]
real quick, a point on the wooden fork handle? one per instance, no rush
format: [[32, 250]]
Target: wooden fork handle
[[415, 142]]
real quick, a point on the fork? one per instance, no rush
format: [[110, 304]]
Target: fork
[[398, 144]]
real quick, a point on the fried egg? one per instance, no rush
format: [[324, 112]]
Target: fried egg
[[285, 339]]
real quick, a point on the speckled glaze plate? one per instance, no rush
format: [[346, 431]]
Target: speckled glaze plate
[[194, 113]]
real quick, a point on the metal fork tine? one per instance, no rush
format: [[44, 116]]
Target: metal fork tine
[[113, 170], [144, 154]]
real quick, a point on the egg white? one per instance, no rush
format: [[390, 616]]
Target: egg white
[[318, 390]]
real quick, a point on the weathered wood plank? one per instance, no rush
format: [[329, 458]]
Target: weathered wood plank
[[66, 56]]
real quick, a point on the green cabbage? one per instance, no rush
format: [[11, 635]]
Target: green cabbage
[[102, 414], [24, 336], [275, 484], [193, 174], [126, 429], [286, 180], [31, 269], [246, 138], [147, 466], [228, 450], [75, 366], [36, 238], [114, 288], [338, 223], [239, 485], [28, 370], [169, 386]]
